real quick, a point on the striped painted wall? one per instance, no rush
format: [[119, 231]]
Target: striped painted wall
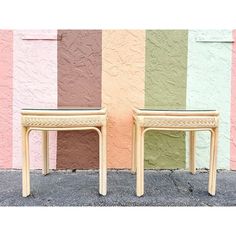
[[118, 69]]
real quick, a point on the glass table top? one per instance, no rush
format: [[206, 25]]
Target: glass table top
[[99, 108], [191, 110], [64, 109]]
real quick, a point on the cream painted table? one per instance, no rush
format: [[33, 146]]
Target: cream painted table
[[62, 120], [175, 120]]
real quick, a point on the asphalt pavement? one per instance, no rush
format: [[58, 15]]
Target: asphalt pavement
[[80, 188]]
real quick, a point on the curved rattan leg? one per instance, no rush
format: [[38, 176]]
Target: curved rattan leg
[[139, 162], [102, 162], [213, 162], [45, 152], [25, 163], [133, 167], [192, 160]]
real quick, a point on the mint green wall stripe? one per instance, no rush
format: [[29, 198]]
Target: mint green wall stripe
[[209, 87]]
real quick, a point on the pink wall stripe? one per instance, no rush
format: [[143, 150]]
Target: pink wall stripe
[[233, 107], [35, 86], [6, 64]]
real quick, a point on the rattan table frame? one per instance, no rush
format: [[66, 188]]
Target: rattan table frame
[[145, 120], [46, 120]]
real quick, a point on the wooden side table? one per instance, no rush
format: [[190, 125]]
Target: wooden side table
[[178, 120], [61, 120]]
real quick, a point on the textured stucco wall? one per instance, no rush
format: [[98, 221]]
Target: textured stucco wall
[[34, 86], [118, 69], [233, 107], [79, 84], [123, 54], [165, 88], [6, 70], [209, 87]]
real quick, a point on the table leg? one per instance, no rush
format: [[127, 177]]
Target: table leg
[[192, 161], [139, 161], [133, 168], [213, 162], [25, 163], [103, 162], [45, 152]]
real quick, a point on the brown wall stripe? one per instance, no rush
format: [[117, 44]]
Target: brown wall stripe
[[79, 84]]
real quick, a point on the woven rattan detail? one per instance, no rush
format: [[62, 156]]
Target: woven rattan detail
[[195, 122], [55, 122]]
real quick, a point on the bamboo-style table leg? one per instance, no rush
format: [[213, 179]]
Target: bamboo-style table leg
[[25, 163], [45, 152], [133, 167], [103, 162], [213, 162], [192, 161], [139, 161]]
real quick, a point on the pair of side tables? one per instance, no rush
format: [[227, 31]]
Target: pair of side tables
[[95, 119]]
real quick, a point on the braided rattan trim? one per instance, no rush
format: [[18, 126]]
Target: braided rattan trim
[[62, 122], [188, 122]]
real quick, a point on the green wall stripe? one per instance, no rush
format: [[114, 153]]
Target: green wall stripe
[[165, 88]]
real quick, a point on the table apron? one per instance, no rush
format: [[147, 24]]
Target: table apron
[[206, 122], [63, 121]]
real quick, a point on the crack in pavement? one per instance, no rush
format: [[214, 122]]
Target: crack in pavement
[[174, 181], [190, 187]]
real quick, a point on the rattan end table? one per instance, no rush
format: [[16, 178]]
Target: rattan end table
[[62, 119], [177, 120]]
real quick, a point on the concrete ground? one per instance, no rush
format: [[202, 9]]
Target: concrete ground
[[80, 188]]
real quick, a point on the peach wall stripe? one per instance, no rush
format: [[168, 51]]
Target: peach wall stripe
[[34, 86], [123, 62], [233, 107], [6, 63]]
